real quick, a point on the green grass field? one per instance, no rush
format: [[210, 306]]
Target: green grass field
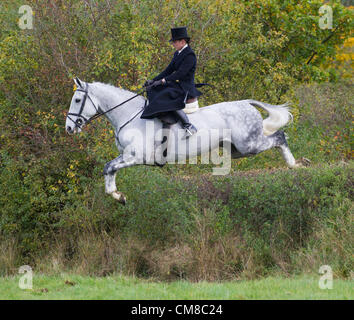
[[120, 287]]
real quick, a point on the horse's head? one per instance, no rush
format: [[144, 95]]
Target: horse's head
[[82, 107]]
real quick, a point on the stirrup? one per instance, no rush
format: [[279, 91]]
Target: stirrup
[[189, 132]]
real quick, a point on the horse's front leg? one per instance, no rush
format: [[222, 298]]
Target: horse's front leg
[[110, 171]]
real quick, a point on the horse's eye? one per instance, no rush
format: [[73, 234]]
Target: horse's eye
[[77, 100]]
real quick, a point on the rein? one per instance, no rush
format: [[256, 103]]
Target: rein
[[81, 120]]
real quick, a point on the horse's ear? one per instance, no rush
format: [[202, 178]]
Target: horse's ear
[[78, 82]]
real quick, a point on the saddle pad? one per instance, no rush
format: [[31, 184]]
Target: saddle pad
[[191, 107]]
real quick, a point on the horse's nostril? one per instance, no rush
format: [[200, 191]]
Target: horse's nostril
[[68, 129]]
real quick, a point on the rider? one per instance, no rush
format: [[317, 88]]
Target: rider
[[173, 87]]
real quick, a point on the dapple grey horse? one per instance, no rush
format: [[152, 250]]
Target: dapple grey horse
[[237, 124]]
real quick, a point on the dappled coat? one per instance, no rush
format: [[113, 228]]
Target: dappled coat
[[179, 87]]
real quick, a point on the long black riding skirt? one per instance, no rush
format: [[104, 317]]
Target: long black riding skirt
[[164, 98]]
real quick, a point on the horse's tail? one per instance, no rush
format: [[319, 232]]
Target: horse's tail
[[279, 116]]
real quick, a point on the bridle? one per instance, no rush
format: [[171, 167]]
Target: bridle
[[81, 120]]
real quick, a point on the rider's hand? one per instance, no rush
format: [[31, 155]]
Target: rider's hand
[[157, 83], [148, 83]]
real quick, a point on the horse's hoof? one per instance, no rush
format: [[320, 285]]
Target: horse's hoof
[[302, 162], [305, 161], [119, 196]]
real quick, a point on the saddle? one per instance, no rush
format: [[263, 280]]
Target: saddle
[[168, 118]]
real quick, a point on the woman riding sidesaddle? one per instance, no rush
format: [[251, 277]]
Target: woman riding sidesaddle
[[174, 87]]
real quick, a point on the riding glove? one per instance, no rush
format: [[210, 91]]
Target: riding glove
[[157, 83], [148, 83]]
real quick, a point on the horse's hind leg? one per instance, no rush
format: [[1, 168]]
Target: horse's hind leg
[[277, 140], [285, 150]]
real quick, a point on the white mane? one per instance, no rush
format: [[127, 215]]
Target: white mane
[[112, 93]]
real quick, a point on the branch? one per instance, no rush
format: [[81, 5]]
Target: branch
[[323, 41]]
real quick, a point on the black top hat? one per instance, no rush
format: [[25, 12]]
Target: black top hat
[[179, 33]]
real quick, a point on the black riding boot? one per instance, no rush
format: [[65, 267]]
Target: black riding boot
[[190, 129]]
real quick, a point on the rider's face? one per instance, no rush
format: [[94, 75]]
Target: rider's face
[[179, 44]]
